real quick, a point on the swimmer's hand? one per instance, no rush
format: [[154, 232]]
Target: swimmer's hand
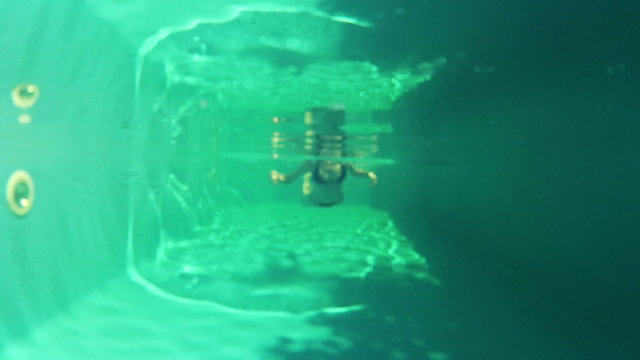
[[373, 177], [276, 177]]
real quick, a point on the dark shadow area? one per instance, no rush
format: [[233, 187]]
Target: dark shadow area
[[530, 218]]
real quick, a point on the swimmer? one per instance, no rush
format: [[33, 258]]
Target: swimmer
[[322, 179]]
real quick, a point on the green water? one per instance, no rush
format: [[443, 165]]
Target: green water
[[502, 224]]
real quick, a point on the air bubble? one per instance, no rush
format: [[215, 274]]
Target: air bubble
[[25, 96], [20, 192], [24, 119]]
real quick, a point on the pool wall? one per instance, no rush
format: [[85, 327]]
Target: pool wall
[[76, 149]]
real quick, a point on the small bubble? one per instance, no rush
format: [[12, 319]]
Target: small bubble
[[25, 96], [20, 192], [24, 119]]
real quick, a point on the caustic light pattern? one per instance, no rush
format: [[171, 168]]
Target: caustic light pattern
[[286, 257]]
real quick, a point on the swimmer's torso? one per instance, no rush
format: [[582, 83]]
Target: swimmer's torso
[[323, 186], [328, 172]]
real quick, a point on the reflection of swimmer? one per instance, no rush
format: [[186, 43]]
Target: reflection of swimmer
[[323, 178]]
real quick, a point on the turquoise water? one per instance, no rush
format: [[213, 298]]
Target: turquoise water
[[501, 223]]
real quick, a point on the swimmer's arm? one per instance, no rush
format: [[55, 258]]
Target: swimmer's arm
[[363, 173], [278, 177]]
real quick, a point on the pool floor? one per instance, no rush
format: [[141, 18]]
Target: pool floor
[[125, 321]]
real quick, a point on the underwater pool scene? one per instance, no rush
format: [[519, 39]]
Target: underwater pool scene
[[319, 179]]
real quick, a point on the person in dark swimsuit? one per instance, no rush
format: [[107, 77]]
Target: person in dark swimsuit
[[323, 179]]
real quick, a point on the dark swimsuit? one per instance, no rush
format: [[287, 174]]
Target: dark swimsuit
[[317, 178]]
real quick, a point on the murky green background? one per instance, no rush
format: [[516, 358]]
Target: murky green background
[[515, 176]]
